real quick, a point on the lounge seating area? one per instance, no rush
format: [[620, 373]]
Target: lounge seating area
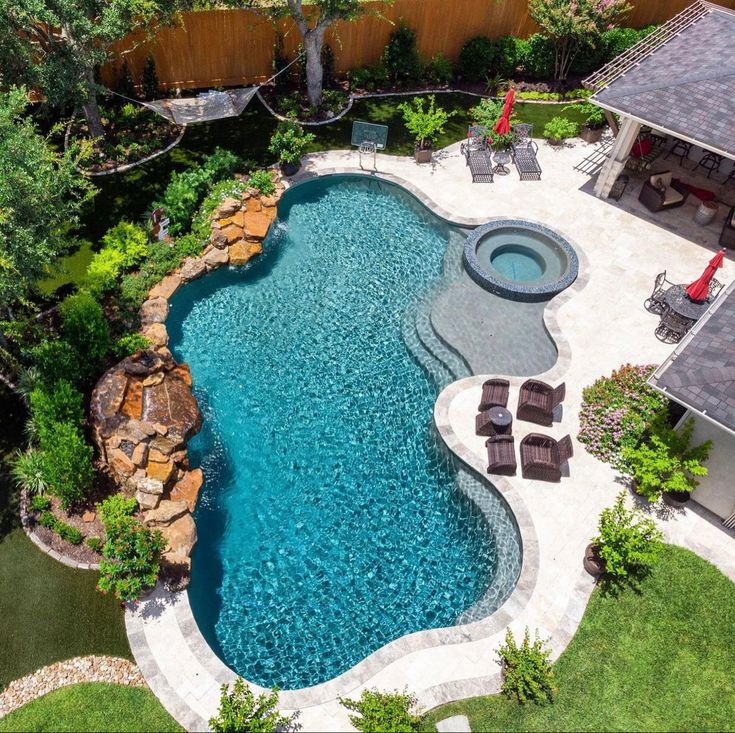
[[542, 457], [660, 191]]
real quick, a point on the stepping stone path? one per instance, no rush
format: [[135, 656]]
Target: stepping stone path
[[70, 672], [455, 724]]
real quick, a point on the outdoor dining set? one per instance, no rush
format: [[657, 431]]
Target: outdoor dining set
[[681, 306], [542, 457]]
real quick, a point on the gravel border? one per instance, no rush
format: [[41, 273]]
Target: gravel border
[[113, 670]]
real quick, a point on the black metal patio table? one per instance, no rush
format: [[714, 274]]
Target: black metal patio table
[[677, 299]]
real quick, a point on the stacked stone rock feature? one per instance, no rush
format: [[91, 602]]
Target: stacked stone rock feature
[[143, 410]]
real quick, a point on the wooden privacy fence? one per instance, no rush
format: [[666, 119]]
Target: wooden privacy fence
[[229, 47]]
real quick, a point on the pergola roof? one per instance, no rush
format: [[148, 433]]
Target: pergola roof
[[681, 80], [700, 374]]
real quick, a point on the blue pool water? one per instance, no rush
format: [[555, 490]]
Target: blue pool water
[[330, 522]]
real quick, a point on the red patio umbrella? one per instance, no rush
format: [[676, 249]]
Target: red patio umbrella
[[502, 126], [699, 289]]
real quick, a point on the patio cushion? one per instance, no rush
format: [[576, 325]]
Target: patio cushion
[[642, 148], [661, 180], [672, 196]]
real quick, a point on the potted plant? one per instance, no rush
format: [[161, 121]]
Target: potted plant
[[628, 543], [594, 122], [664, 464], [289, 142], [425, 123], [593, 563], [558, 129]]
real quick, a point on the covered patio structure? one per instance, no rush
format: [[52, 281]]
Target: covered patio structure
[[679, 82]]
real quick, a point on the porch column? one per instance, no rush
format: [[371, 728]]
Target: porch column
[[618, 155]]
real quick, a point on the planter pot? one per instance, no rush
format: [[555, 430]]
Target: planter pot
[[676, 499], [555, 143], [593, 563], [423, 155], [290, 169], [590, 134]]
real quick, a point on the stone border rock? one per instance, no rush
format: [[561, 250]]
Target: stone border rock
[[112, 670], [28, 528]]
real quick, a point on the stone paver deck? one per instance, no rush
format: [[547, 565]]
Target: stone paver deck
[[597, 324]]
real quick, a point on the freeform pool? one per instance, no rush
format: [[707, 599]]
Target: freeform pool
[[520, 260], [330, 522]]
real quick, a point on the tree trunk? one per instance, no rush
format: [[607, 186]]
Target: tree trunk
[[91, 109], [313, 40]]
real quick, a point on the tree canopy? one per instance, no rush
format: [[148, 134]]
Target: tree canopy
[[41, 195]]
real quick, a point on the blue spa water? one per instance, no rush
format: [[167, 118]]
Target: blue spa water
[[517, 263], [329, 523]]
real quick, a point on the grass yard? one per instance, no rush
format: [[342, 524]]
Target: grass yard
[[92, 707], [661, 660]]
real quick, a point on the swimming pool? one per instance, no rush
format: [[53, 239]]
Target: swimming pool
[[331, 522]]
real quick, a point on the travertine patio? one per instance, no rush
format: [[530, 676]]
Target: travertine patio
[[597, 324]]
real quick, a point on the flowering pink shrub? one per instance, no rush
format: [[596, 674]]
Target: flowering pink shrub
[[616, 412]]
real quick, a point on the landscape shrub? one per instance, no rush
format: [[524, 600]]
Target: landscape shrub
[[616, 412], [103, 272], [594, 115], [202, 221], [239, 710], [129, 344], [61, 402], [537, 57], [94, 543], [65, 531], [149, 80], [67, 464], [263, 181], [133, 291], [125, 82], [560, 128], [130, 558], [527, 673], [384, 711], [664, 460], [486, 113], [401, 55], [477, 58], [186, 190], [85, 328], [56, 359], [28, 471], [115, 508], [508, 54], [289, 142], [628, 541], [440, 70], [40, 503], [327, 65], [129, 240]]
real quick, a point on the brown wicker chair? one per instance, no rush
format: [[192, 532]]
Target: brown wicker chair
[[538, 400], [494, 394], [661, 192], [542, 457], [501, 455]]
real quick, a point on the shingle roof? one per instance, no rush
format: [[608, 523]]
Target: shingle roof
[[686, 85], [700, 374]]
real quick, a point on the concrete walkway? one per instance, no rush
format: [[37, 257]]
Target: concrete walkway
[[598, 324]]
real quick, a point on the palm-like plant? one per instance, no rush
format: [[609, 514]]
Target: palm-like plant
[[28, 472]]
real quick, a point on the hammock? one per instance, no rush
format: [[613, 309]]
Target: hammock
[[204, 107]]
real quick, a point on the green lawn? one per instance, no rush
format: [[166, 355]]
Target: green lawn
[[661, 660], [92, 707]]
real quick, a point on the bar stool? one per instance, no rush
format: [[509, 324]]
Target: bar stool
[[731, 177], [680, 149], [711, 162]]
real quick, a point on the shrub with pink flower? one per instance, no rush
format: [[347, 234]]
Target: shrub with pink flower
[[616, 412]]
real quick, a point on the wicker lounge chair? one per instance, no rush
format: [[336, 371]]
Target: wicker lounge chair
[[501, 455], [494, 394], [538, 400], [542, 457], [660, 191]]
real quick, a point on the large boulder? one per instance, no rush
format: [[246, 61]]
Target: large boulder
[[166, 288], [154, 310], [242, 252], [187, 488], [215, 258], [191, 269], [180, 535], [165, 513]]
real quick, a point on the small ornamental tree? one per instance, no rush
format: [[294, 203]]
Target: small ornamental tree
[[130, 558], [527, 673], [384, 712], [424, 122], [569, 24], [239, 710], [665, 462], [628, 542]]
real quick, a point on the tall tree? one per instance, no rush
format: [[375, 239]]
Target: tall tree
[[569, 23], [312, 19], [41, 194], [56, 45]]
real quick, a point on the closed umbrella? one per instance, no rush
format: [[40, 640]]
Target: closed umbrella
[[502, 126], [699, 289]]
